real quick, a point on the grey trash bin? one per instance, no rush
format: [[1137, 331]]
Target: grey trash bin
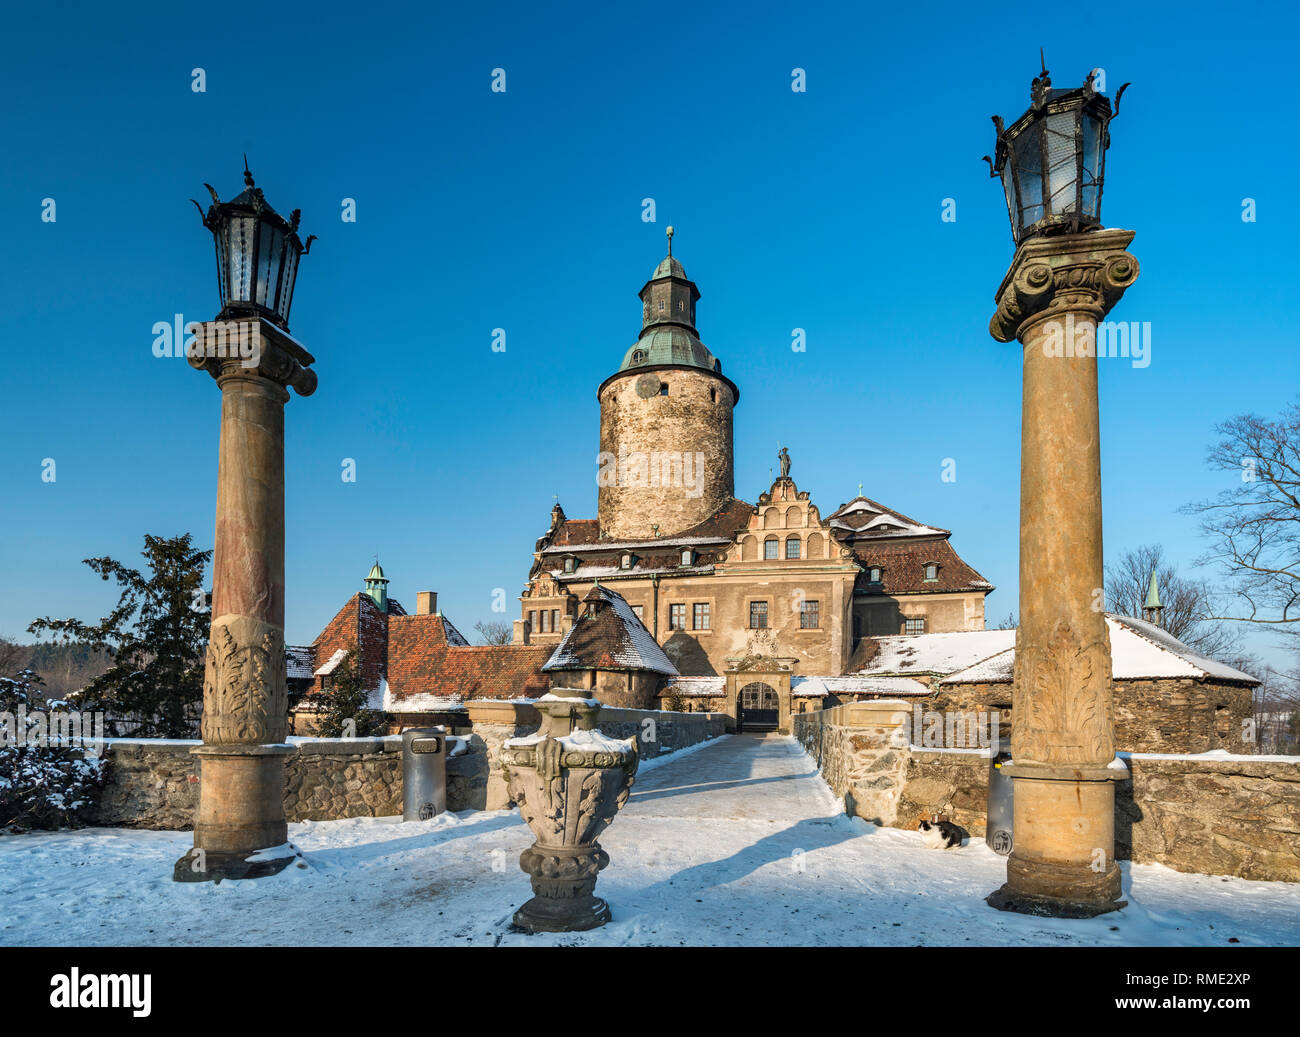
[[998, 829], [424, 773]]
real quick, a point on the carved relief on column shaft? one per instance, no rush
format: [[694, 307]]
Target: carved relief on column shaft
[[245, 699], [1063, 698], [1085, 274]]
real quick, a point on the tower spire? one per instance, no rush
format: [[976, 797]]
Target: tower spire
[[1152, 610], [670, 239]]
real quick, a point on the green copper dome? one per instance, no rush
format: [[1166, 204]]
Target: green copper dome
[[376, 573], [669, 344]]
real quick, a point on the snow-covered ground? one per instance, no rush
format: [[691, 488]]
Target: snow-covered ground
[[736, 842]]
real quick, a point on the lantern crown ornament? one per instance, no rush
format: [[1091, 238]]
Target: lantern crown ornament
[[257, 253], [1052, 159]]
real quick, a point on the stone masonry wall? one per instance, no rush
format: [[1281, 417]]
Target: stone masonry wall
[[861, 748], [1212, 814], [154, 783]]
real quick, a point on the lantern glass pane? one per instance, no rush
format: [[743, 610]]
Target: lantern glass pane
[[286, 282], [1062, 162], [223, 286], [1088, 190], [268, 264], [1027, 165], [1009, 186], [240, 249]]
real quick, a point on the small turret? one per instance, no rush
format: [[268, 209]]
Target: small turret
[[377, 587], [1152, 610]]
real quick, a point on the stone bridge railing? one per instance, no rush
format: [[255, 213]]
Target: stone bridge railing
[[154, 783], [1210, 813]]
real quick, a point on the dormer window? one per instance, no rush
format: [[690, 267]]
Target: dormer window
[[688, 557], [627, 560], [931, 572], [874, 575], [638, 356], [570, 563]]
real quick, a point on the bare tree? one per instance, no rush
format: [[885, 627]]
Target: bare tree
[[11, 655], [494, 633], [1254, 525], [1007, 622], [1188, 604]]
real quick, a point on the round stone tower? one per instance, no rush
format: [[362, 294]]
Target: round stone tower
[[666, 456]]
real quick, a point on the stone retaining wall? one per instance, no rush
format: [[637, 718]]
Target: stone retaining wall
[[861, 749], [1214, 814], [154, 783]]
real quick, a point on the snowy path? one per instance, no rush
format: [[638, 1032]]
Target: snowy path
[[706, 852]]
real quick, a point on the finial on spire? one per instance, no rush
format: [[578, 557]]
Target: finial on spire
[[248, 177], [670, 239], [859, 489]]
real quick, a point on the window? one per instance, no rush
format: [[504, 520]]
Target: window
[[532, 620], [758, 615], [701, 616], [771, 548], [809, 615], [874, 575], [663, 389], [688, 557], [931, 572], [792, 547], [677, 617], [569, 564], [639, 610], [625, 562], [914, 626], [638, 357], [555, 620], [542, 616], [661, 306], [713, 395]]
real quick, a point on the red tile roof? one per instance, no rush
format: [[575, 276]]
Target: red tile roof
[[421, 661]]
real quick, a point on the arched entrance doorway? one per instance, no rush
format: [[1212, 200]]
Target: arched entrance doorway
[[758, 709]]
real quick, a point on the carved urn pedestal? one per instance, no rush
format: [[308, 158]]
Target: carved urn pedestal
[[569, 781]]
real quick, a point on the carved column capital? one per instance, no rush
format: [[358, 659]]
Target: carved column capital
[[1069, 273], [248, 347]]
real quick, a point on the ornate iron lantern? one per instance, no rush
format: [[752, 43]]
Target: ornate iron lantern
[[1052, 159], [257, 254]]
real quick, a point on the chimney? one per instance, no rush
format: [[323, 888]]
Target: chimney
[[426, 603], [520, 632]]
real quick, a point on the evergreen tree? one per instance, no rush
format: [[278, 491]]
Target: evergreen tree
[[343, 708], [45, 782], [155, 638]]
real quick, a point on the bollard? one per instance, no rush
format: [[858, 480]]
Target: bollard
[[424, 773], [998, 827]]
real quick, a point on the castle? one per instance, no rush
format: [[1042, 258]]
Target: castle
[[717, 579], [681, 595]]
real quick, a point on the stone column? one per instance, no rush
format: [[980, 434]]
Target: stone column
[[245, 718], [1063, 860]]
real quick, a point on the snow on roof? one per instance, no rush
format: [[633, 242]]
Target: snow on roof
[[698, 685], [604, 572], [941, 654], [624, 643], [332, 663], [620, 545], [880, 516], [1138, 651], [298, 660], [855, 684]]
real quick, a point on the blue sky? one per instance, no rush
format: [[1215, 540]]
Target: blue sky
[[478, 210]]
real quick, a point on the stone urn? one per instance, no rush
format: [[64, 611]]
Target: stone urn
[[569, 781]]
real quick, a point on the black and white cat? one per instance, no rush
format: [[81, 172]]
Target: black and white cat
[[940, 835]]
